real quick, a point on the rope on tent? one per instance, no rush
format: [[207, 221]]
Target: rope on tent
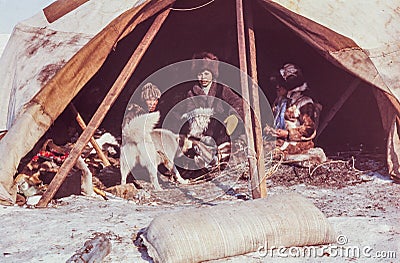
[[193, 8]]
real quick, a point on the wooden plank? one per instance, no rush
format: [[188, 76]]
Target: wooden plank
[[96, 147], [60, 8], [255, 179], [149, 9], [94, 250], [104, 107], [259, 146], [347, 93]]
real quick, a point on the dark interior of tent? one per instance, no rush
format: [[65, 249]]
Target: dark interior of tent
[[356, 126]]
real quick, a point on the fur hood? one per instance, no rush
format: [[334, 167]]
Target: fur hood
[[199, 65]]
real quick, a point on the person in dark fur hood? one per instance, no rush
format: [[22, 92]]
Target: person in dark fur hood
[[213, 110], [301, 114], [211, 104]]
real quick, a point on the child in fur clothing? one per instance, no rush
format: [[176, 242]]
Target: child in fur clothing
[[150, 96]]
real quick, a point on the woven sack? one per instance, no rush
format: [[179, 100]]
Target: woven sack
[[200, 234]]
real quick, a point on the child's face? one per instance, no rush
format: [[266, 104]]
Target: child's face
[[151, 104], [204, 78]]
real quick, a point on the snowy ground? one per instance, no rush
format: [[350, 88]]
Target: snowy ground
[[365, 215]]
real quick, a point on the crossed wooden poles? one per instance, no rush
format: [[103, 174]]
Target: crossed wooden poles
[[256, 156]]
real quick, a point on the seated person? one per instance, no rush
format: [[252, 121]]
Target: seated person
[[150, 96], [301, 114], [208, 118]]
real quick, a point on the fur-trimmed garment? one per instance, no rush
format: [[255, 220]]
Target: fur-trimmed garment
[[301, 119], [206, 113]]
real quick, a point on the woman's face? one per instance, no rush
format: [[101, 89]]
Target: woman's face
[[151, 104], [204, 78]]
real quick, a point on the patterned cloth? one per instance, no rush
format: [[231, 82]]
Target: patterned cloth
[[279, 109], [301, 117]]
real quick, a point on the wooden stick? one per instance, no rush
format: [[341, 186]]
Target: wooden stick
[[94, 250], [255, 96], [347, 93], [60, 8], [104, 107], [96, 146], [255, 178]]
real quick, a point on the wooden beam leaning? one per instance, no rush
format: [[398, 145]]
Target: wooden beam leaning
[[255, 180], [60, 8], [346, 94], [83, 126], [104, 107], [259, 146]]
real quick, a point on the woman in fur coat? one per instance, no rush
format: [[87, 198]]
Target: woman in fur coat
[[301, 114]]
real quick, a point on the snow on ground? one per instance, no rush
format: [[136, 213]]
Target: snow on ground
[[366, 216]]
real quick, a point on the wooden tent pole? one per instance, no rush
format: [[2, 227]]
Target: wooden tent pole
[[82, 124], [104, 107], [60, 8], [394, 102], [345, 96], [255, 96], [255, 178]]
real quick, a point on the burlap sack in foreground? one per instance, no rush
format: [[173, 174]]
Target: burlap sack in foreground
[[199, 234]]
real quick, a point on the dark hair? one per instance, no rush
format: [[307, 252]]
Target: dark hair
[[293, 75], [205, 61], [205, 55], [293, 82]]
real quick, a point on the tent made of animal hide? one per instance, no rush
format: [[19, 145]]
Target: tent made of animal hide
[[74, 51]]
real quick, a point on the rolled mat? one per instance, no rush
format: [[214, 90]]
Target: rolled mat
[[200, 234]]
